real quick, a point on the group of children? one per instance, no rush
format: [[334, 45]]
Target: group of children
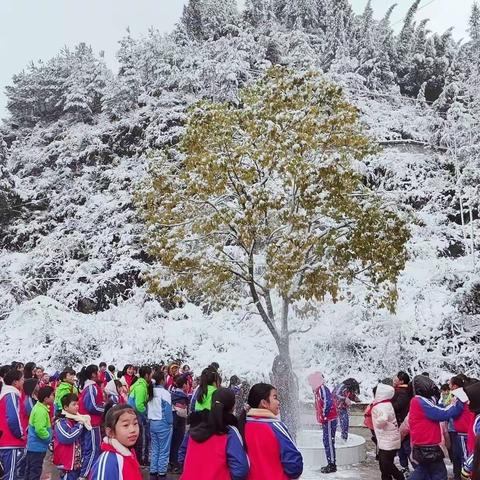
[[413, 420], [106, 426]]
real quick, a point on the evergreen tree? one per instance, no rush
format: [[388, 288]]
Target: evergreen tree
[[86, 83], [301, 14], [205, 19]]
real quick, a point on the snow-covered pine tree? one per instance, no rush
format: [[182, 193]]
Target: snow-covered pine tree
[[86, 83], [301, 14], [204, 19], [339, 31], [123, 91]]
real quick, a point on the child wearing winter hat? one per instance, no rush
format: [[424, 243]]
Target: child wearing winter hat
[[326, 412], [386, 430]]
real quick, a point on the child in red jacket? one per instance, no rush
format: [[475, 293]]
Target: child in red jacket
[[118, 460], [326, 412], [271, 450], [215, 448], [67, 433]]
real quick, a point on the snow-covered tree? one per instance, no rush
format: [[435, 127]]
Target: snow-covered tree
[[86, 83], [205, 19], [263, 204]]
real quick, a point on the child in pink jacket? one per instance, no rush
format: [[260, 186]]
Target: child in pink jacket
[[386, 431]]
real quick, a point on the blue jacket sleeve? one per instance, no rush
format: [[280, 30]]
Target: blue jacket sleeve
[[441, 414], [290, 457], [182, 451], [167, 412], [67, 434], [91, 402], [105, 468], [236, 457], [13, 415], [327, 399]]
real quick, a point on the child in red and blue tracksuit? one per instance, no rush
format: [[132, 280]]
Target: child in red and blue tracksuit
[[326, 412], [473, 394], [67, 435], [91, 403], [425, 430], [272, 452], [215, 451], [459, 427], [118, 460], [13, 425]]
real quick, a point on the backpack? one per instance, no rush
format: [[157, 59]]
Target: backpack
[[367, 417]]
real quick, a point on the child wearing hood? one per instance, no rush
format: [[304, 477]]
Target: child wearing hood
[[386, 431], [326, 412]]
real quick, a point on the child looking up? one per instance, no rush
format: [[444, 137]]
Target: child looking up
[[39, 433], [118, 460]]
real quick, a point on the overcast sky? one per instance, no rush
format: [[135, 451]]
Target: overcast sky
[[38, 29]]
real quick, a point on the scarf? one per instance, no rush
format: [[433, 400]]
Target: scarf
[[83, 419]]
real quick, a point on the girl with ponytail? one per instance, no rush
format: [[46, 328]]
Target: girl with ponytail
[[271, 450], [215, 446]]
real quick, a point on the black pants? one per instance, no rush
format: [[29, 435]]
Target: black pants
[[179, 425], [143, 441], [387, 466], [33, 470]]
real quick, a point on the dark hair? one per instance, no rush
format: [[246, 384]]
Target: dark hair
[[458, 380], [208, 377], [68, 399], [86, 373], [113, 415], [111, 368], [214, 366], [158, 378], [102, 364], [44, 393], [13, 375], [425, 374], [28, 370], [144, 370], [29, 386], [17, 365], [404, 377], [445, 387], [4, 369], [124, 371], [66, 371], [259, 392], [234, 381], [180, 381], [223, 401], [218, 418]]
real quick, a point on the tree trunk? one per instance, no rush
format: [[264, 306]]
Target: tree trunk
[[286, 382]]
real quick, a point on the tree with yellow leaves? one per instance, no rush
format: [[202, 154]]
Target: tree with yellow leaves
[[264, 201]]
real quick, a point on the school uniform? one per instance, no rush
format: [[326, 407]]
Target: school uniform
[[13, 425], [91, 403]]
